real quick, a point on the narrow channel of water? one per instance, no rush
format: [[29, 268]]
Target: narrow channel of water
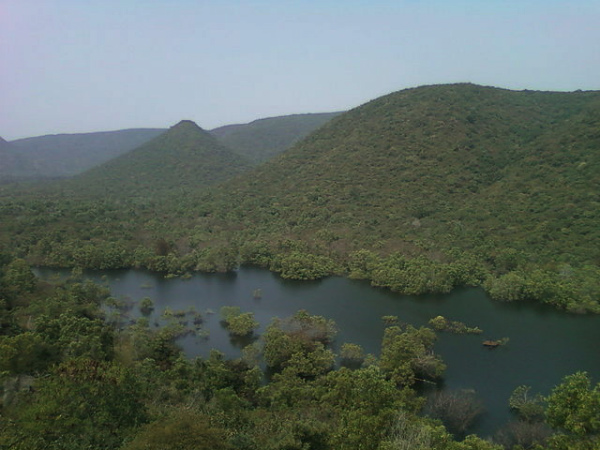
[[545, 345]]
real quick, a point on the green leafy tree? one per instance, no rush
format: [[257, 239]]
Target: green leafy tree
[[16, 278], [298, 344], [83, 404], [243, 324], [574, 408], [352, 355], [146, 306], [184, 430], [238, 323], [74, 336], [529, 407], [303, 266], [25, 353], [407, 355]]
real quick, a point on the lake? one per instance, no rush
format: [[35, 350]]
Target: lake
[[545, 344]]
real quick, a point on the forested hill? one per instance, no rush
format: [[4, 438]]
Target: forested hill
[[183, 158], [508, 179], [12, 164], [262, 139], [62, 155], [418, 191], [65, 155]]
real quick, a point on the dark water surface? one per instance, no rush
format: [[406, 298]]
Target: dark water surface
[[545, 345]]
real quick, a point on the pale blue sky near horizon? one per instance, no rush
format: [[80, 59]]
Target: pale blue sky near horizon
[[69, 66]]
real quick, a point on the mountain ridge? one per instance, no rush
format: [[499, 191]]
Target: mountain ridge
[[183, 157], [68, 154], [264, 138], [13, 165], [432, 172], [64, 154]]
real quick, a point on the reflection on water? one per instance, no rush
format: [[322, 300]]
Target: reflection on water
[[544, 345]]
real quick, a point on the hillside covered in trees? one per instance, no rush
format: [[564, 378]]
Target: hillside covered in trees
[[66, 155], [418, 191], [63, 155], [12, 164], [456, 181], [260, 140], [184, 158]]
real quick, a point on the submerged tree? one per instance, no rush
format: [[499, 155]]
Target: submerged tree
[[407, 355], [238, 323], [299, 344], [458, 410]]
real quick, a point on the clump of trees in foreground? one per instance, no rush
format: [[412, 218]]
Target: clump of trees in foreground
[[71, 381]]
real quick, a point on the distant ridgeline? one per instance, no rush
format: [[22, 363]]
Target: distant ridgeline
[[262, 139], [183, 158], [418, 191], [12, 164], [66, 155], [63, 155]]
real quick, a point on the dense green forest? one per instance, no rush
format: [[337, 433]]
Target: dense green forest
[[73, 378], [418, 191]]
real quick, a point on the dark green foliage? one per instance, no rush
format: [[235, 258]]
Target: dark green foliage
[[25, 353], [61, 324], [523, 434], [302, 266], [456, 409], [574, 407], [407, 355], [185, 430], [352, 355], [82, 404], [146, 306], [440, 323], [238, 323], [16, 279], [298, 344], [554, 287]]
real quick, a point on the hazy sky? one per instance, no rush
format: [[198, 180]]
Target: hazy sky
[[71, 66]]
